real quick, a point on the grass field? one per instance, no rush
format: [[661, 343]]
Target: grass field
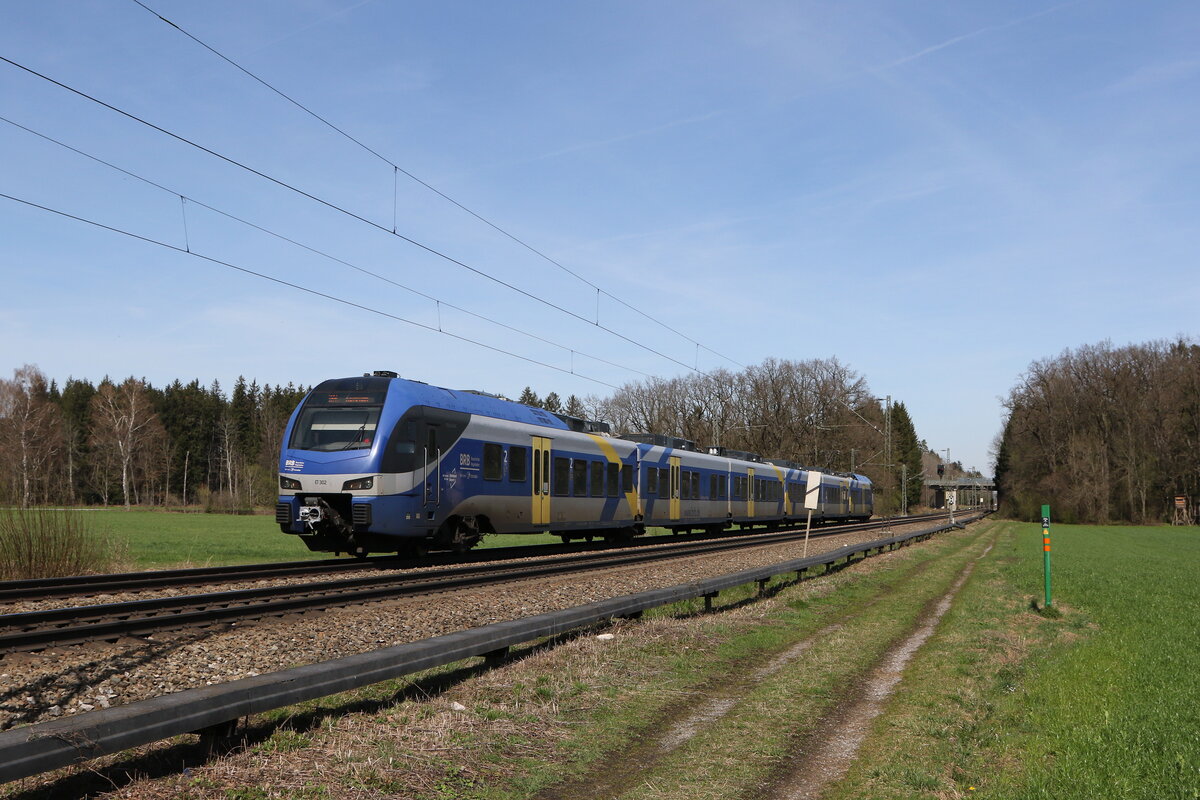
[[162, 539], [1098, 700]]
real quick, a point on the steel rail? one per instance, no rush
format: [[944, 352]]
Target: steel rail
[[37, 630], [46, 588], [59, 743]]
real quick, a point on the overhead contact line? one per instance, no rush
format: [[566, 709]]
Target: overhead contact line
[[333, 206], [184, 199], [299, 287], [397, 169]]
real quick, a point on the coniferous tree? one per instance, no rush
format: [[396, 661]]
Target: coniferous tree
[[529, 398], [75, 404], [575, 407], [906, 451]]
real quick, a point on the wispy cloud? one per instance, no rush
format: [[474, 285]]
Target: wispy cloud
[[625, 137], [973, 35], [1155, 75]]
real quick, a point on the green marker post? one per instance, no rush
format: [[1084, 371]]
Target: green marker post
[[1046, 548]]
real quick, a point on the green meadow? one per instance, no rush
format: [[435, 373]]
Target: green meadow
[[164, 539], [1097, 697]]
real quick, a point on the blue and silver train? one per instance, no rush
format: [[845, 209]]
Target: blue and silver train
[[382, 464]]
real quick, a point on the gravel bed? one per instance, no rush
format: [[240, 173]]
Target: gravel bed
[[73, 680]]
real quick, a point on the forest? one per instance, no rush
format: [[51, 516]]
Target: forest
[[130, 443], [1104, 434]]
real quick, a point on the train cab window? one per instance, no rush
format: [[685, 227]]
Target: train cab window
[[493, 462], [652, 481], [626, 478], [580, 471], [562, 476], [516, 464], [614, 479]]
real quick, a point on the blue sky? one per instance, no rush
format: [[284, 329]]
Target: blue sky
[[936, 193]]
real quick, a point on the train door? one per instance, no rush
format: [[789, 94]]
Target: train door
[[750, 492], [541, 481], [675, 480], [433, 470]]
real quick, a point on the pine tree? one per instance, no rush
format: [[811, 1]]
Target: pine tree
[[907, 450], [552, 403], [529, 398]]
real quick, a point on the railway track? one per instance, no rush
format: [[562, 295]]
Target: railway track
[[39, 630], [82, 585], [213, 709]]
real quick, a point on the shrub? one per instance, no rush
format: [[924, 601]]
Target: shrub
[[50, 543]]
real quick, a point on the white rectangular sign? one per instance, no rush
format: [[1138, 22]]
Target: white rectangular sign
[[812, 496]]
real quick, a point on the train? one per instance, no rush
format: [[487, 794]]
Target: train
[[383, 464]]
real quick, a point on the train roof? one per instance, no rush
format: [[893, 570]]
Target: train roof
[[416, 393]]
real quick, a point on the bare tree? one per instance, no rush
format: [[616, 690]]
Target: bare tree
[[30, 434], [125, 426]]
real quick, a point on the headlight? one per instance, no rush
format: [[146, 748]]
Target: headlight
[[289, 483], [358, 483]]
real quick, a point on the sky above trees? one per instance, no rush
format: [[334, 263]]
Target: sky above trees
[[936, 195]]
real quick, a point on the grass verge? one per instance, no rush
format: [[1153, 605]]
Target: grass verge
[[1100, 699], [554, 720]]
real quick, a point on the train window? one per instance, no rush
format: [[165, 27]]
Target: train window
[[685, 487], [614, 479], [651, 481], [626, 478], [597, 489], [562, 476], [696, 485], [712, 486], [580, 469], [664, 482], [516, 464], [493, 462]]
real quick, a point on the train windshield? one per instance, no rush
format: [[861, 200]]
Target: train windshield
[[338, 420]]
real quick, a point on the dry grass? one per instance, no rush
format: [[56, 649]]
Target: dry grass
[[50, 543], [551, 716]]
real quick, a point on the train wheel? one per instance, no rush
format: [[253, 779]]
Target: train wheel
[[413, 550], [359, 552]]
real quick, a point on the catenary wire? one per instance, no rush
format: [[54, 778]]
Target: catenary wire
[[397, 168], [347, 212], [298, 287], [187, 246]]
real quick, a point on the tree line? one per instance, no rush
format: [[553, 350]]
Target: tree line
[[1103, 434], [816, 412], [131, 443]]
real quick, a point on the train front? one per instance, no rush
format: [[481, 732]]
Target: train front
[[332, 489]]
